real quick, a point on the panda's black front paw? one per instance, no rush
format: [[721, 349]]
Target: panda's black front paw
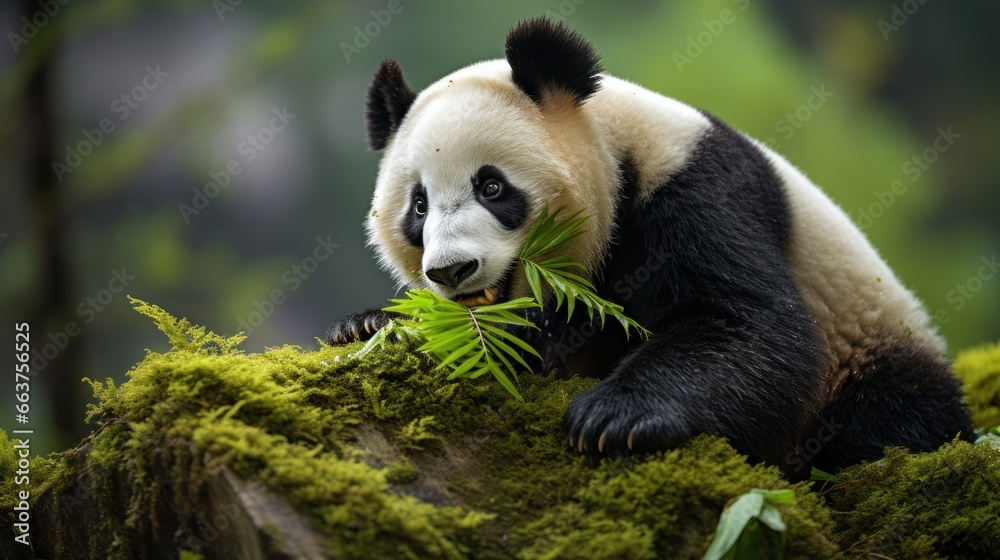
[[612, 419], [357, 326]]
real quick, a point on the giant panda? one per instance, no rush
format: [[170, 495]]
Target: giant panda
[[776, 324]]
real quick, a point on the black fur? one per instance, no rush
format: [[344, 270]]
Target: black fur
[[547, 56], [904, 396], [358, 326], [574, 345], [413, 224], [511, 207], [389, 99], [700, 263]]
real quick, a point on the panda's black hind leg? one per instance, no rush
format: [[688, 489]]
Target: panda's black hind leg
[[904, 396], [357, 326]]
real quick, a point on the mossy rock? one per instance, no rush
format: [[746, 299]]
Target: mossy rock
[[922, 506], [979, 369], [207, 452]]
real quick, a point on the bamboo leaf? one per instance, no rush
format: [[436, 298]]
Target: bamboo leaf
[[458, 354], [515, 340], [467, 365], [506, 348], [505, 381], [474, 341]]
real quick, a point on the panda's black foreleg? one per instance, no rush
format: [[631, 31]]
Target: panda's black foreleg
[[747, 380], [358, 326]]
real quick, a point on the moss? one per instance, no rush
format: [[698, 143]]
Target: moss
[[922, 505], [350, 444], [667, 505], [282, 419], [418, 434], [979, 369], [44, 472], [402, 472]]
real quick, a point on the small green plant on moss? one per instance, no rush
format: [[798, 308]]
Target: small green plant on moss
[[991, 437], [819, 475], [473, 341], [418, 433], [751, 527]]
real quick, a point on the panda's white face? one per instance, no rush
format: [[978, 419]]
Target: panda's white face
[[463, 179], [458, 189]]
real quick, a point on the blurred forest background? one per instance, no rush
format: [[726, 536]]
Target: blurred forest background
[[116, 116]]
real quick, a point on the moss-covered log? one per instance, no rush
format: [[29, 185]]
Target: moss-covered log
[[207, 452]]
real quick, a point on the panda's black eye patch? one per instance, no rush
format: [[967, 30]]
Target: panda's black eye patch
[[503, 200], [413, 224]]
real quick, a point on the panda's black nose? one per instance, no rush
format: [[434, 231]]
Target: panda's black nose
[[453, 275]]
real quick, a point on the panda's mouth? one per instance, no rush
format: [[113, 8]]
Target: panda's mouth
[[489, 296], [484, 297]]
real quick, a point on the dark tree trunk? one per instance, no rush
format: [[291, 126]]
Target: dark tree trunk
[[52, 306]]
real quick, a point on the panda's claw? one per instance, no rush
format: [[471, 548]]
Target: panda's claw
[[611, 420], [357, 326]]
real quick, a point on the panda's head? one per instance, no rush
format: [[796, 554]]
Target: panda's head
[[470, 162]]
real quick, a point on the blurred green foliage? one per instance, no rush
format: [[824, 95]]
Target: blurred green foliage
[[757, 66]]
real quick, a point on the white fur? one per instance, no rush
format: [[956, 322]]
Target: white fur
[[474, 117], [852, 294], [561, 154], [565, 155], [659, 133]]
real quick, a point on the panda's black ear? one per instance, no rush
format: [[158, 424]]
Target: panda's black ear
[[547, 57], [389, 98]]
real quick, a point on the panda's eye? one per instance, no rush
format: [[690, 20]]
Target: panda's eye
[[419, 206], [492, 189]]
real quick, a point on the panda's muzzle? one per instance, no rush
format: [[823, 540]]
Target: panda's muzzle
[[453, 275]]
